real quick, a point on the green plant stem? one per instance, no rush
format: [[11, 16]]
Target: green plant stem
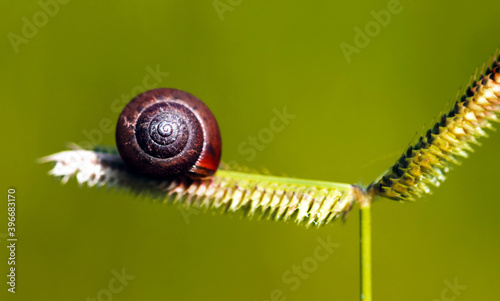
[[365, 232], [281, 180]]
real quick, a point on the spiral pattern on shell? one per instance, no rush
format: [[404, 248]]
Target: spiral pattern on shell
[[166, 132]]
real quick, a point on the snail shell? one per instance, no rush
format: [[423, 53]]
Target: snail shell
[[168, 132]]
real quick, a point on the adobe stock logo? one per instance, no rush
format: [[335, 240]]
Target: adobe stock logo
[[452, 290], [362, 37], [30, 27], [300, 273], [265, 136], [221, 7], [116, 285]]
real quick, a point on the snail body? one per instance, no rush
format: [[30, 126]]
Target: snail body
[[167, 132]]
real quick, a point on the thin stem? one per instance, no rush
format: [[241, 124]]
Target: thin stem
[[281, 180], [365, 227]]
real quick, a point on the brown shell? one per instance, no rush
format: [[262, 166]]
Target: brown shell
[[167, 132]]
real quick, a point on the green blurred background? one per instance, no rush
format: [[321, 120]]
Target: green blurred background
[[62, 78]]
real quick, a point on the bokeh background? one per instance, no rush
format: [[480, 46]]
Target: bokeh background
[[61, 78]]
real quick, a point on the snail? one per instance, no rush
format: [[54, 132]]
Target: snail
[[166, 132]]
